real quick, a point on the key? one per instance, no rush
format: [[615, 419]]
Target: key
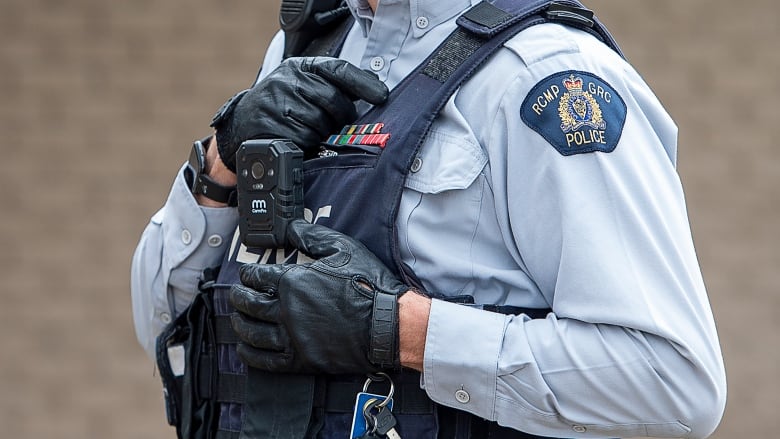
[[368, 414], [384, 424]]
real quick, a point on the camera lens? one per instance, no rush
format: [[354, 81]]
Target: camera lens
[[258, 170]]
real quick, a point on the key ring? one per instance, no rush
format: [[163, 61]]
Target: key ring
[[379, 377]]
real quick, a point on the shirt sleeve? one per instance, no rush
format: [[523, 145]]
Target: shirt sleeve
[[630, 348], [180, 241]]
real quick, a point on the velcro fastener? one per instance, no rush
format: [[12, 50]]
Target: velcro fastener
[[486, 16], [452, 54], [224, 332], [486, 20], [384, 321], [231, 388]]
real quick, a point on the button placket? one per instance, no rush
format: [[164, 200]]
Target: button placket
[[386, 38]]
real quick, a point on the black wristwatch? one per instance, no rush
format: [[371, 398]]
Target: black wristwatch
[[200, 183]]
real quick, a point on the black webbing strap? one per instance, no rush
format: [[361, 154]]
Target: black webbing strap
[[231, 388], [488, 17], [384, 321], [331, 42], [465, 300], [534, 313], [457, 48], [486, 20], [476, 27], [224, 332], [336, 394], [454, 423]]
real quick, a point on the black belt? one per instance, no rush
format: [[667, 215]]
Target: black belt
[[336, 394], [455, 423]]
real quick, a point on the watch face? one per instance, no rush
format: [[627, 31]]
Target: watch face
[[198, 157], [196, 164]]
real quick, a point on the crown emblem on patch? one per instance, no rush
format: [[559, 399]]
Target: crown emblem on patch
[[579, 108], [573, 84]]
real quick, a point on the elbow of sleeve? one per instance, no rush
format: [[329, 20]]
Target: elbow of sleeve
[[703, 400], [705, 412], [691, 388], [144, 331], [146, 341], [144, 281]]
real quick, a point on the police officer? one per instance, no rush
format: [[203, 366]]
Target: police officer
[[545, 182]]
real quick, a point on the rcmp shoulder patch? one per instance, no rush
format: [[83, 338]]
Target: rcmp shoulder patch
[[577, 112]]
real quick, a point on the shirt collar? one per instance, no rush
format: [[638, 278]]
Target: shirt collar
[[425, 14]]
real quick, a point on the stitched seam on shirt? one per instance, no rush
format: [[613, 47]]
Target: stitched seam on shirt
[[503, 104], [530, 409], [476, 227], [494, 385], [409, 220], [595, 367]]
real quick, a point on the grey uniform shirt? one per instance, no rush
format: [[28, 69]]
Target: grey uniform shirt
[[493, 210]]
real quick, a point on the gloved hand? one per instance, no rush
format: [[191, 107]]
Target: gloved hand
[[337, 314], [304, 100]]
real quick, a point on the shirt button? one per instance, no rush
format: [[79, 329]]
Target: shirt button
[[186, 237], [215, 241], [462, 396], [377, 63], [579, 429], [422, 22], [165, 318], [416, 165]]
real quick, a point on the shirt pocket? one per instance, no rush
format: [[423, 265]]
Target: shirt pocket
[[446, 162], [440, 210]]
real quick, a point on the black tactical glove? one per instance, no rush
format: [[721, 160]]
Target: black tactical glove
[[304, 100], [337, 314]]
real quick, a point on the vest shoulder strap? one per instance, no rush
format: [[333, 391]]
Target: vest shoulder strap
[[481, 31], [486, 21]]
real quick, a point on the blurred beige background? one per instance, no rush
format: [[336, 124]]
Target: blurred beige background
[[100, 100]]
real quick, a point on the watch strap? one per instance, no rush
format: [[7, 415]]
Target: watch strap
[[200, 183], [204, 185]]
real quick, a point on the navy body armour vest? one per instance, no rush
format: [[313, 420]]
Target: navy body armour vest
[[355, 190]]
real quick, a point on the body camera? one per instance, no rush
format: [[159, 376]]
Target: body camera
[[270, 190]]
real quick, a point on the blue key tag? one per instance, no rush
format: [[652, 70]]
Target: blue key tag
[[359, 425]]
